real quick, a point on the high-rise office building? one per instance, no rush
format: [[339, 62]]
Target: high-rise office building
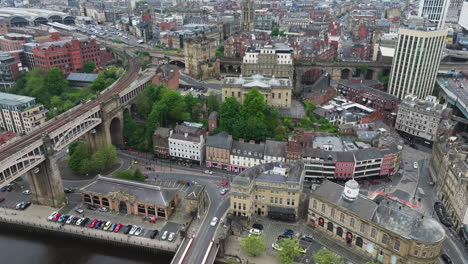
[[434, 11], [416, 61]]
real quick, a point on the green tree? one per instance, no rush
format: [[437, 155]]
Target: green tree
[[325, 256], [220, 51], [125, 174], [80, 153], [230, 114], [364, 68], [138, 176], [103, 158], [89, 67], [72, 147], [170, 109], [135, 135], [146, 99], [275, 31], [55, 81], [192, 107], [212, 103], [254, 245], [290, 250], [280, 133]]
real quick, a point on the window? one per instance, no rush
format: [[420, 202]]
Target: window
[[293, 201], [342, 218], [396, 246], [362, 228], [416, 252], [373, 233], [384, 239], [351, 223], [332, 213], [288, 201], [323, 208], [314, 204]]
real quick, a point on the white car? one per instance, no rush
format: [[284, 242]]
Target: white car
[[224, 191], [26, 192], [69, 220], [276, 247], [52, 216], [138, 231], [133, 230], [208, 172], [415, 165], [103, 209], [255, 231], [79, 221], [164, 235], [171, 237], [79, 210], [214, 221]]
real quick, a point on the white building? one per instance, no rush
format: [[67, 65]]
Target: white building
[[275, 151], [434, 11], [420, 119], [187, 143], [463, 21], [245, 155], [416, 62]]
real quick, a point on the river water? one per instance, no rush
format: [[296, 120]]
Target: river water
[[21, 247]]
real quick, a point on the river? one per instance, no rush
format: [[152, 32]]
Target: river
[[21, 247]]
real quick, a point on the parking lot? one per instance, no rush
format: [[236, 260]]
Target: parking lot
[[15, 196]]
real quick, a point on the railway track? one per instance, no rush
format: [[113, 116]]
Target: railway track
[[126, 80]]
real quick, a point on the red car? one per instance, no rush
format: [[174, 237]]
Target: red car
[[2, 199], [57, 216], [117, 227], [146, 176], [93, 223]]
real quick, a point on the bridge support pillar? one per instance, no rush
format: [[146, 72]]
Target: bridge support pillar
[[336, 74], [46, 184], [96, 138]]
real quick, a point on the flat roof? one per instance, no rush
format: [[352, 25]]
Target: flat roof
[[13, 99]]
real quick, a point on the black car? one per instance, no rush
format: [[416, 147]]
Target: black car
[[154, 233], [257, 226], [65, 218], [9, 188], [127, 229], [92, 208], [282, 236], [84, 222], [68, 190], [97, 224], [102, 225], [4, 188], [73, 222], [26, 205], [446, 259]]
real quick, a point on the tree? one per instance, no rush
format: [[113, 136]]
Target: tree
[[290, 249], [325, 256], [220, 51], [125, 174], [254, 245], [72, 147], [275, 31], [230, 114], [212, 103], [89, 67], [146, 99], [138, 176], [80, 153], [55, 81]]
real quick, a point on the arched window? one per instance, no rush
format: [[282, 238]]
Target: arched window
[[330, 226], [321, 222], [384, 239], [105, 201], [141, 209], [96, 200], [151, 210], [87, 198], [359, 242], [339, 231], [396, 246]]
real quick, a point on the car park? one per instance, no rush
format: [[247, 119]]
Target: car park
[[164, 235], [446, 259], [154, 233], [107, 225], [52, 216], [138, 231], [214, 221], [117, 227], [93, 223], [171, 237], [133, 230], [307, 238]]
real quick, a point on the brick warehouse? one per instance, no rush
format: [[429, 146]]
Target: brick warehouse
[[67, 55]]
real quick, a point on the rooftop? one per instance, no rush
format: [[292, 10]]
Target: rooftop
[[278, 172], [220, 140], [82, 77], [14, 100], [258, 81]]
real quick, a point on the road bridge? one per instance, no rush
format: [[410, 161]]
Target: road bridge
[[100, 121]]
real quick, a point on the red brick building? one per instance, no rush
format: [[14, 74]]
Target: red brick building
[[14, 41], [167, 75], [67, 55]]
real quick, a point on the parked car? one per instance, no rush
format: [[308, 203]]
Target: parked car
[[73, 222], [171, 237], [9, 188], [214, 221], [288, 232], [111, 228], [2, 199], [208, 172], [26, 205], [133, 230], [22, 205], [127, 229], [56, 217], [138, 231], [303, 250], [224, 191], [415, 165], [276, 247], [85, 221], [103, 209], [79, 210], [62, 218], [254, 231], [446, 259], [117, 227], [69, 220], [164, 235], [4, 188], [107, 225], [52, 216], [93, 223], [257, 226], [68, 190], [154, 233], [307, 238], [26, 192], [92, 208], [102, 225]]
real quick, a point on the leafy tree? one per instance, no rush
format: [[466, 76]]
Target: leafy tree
[[145, 100], [135, 135], [138, 176], [171, 108], [254, 245], [384, 79], [275, 31], [325, 256], [80, 153], [193, 107], [280, 133], [364, 68], [220, 51], [125, 174], [212, 103], [103, 158], [55, 81], [230, 114], [72, 147], [290, 250], [89, 67]]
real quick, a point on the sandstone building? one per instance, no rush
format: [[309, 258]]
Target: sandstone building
[[200, 58]]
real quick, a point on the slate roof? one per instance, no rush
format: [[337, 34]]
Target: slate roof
[[193, 193], [367, 154], [162, 132], [142, 192], [275, 148], [245, 149], [82, 77], [219, 140], [333, 193], [264, 172]]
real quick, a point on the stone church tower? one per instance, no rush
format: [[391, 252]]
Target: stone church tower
[[247, 16]]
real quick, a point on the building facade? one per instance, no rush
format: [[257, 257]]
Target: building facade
[[245, 155], [275, 151], [414, 70], [130, 197], [388, 232], [247, 15], [277, 92], [187, 143], [161, 142], [448, 169], [20, 114], [263, 20], [434, 10], [200, 58], [270, 189], [269, 61], [419, 120], [8, 71], [218, 150]]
